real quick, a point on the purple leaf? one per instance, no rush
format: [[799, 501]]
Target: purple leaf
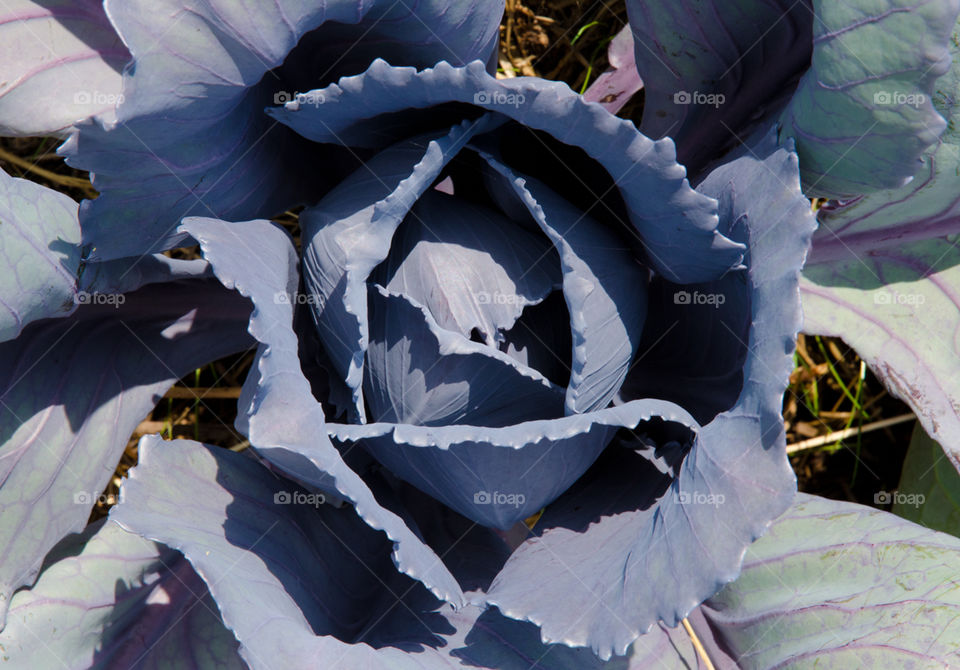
[[349, 233], [304, 584], [421, 374], [713, 70], [604, 288], [107, 598], [71, 392], [190, 136], [836, 585], [60, 63], [861, 114], [39, 253], [666, 212], [672, 534], [614, 88], [501, 475], [471, 267], [277, 411]]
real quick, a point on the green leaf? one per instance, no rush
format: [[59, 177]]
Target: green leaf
[[834, 586], [929, 492], [862, 116], [884, 275]]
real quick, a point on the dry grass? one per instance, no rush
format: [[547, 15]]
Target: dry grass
[[563, 40]]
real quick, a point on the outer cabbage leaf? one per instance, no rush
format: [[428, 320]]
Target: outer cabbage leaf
[[678, 227], [711, 69], [898, 309], [277, 412], [128, 274], [60, 62], [259, 560], [839, 585], [108, 598], [190, 135], [71, 392], [862, 116], [831, 585], [670, 540], [45, 276], [254, 527], [39, 253], [885, 268]]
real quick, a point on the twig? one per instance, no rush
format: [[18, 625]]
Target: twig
[[507, 67], [701, 652], [802, 350], [148, 427], [825, 414], [830, 438], [508, 38], [206, 392]]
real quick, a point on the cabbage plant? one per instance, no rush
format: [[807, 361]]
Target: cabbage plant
[[516, 392]]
